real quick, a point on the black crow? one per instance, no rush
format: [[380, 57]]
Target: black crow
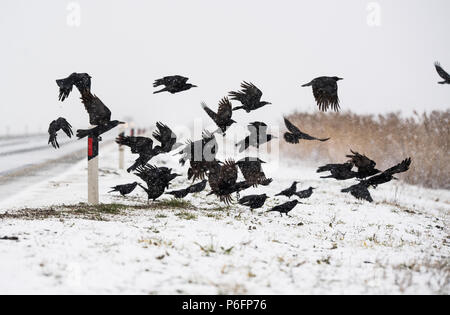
[[124, 189], [360, 190], [99, 130], [222, 178], [200, 150], [253, 201], [290, 191], [258, 136], [294, 135], [366, 166], [250, 97], [325, 90], [55, 126], [199, 187], [442, 73], [157, 178], [139, 145], [199, 169], [180, 194], [173, 84], [338, 171], [81, 80], [285, 207], [252, 171], [166, 137], [223, 116], [304, 194]]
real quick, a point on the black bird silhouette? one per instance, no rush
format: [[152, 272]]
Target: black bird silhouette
[[258, 136], [360, 190], [442, 73], [200, 150], [199, 187], [166, 137], [222, 178], [180, 194], [142, 146], [252, 171], [290, 191], [81, 80], [99, 115], [366, 166], [253, 201], [325, 90], [55, 126], [250, 97], [223, 116], [157, 179], [304, 194], [173, 84], [294, 135], [124, 189], [285, 208], [338, 171]]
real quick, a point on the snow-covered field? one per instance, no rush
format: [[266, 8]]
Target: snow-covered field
[[331, 244]]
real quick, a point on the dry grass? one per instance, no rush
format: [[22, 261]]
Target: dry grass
[[387, 139]]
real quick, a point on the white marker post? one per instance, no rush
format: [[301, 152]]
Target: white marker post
[[121, 150], [93, 197]]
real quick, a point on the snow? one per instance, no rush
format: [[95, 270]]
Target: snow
[[332, 244]]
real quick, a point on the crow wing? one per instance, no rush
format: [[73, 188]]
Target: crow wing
[[442, 73], [165, 135]]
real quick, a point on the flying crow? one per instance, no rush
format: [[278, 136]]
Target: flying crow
[[173, 84], [55, 126], [325, 90], [252, 171], [139, 145], [442, 73], [180, 194], [81, 80], [166, 137], [294, 135], [366, 166], [223, 116], [338, 171], [250, 97], [157, 178], [304, 194], [258, 136]]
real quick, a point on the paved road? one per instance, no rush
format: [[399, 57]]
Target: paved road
[[28, 160]]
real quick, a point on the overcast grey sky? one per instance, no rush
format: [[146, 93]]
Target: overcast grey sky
[[277, 45]]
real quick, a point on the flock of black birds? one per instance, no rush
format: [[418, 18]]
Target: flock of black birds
[[201, 154]]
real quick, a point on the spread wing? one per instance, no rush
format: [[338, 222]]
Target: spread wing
[[209, 111], [225, 109], [399, 168], [253, 93], [65, 126], [99, 114], [361, 161], [165, 135], [326, 95], [442, 73], [138, 145]]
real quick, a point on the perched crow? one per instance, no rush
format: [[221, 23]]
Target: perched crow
[[304, 194], [81, 80], [124, 189], [258, 136], [157, 179], [199, 187], [223, 117], [290, 191], [366, 166], [55, 126], [442, 73], [200, 150], [285, 207], [253, 201], [173, 84], [360, 190], [166, 137], [294, 135], [99, 130], [250, 97], [252, 171], [180, 194], [338, 171], [325, 90]]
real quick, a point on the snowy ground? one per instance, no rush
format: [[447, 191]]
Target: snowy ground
[[331, 244]]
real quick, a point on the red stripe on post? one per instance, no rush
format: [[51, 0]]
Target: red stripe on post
[[90, 146]]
